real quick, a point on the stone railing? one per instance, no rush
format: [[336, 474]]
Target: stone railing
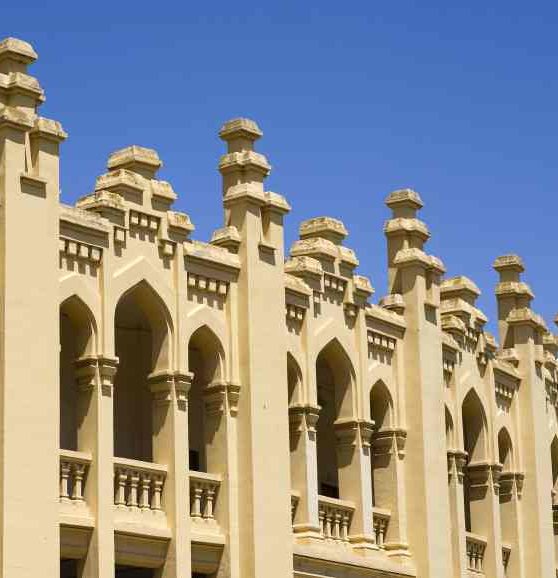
[[506, 553], [138, 485], [381, 523], [335, 518], [73, 473], [203, 495], [476, 546]]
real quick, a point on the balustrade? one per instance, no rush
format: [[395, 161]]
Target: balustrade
[[381, 522], [335, 518], [476, 546], [73, 472], [204, 488], [138, 485]]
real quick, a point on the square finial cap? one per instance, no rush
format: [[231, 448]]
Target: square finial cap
[[242, 128], [138, 159], [509, 263], [15, 55]]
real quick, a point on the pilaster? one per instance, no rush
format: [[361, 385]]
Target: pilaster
[[522, 330], [29, 379], [263, 459], [415, 276]]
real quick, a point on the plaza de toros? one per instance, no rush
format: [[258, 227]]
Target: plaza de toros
[[172, 407]]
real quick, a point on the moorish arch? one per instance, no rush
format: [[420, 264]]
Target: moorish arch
[[505, 450], [450, 431], [335, 380], [206, 359], [78, 336], [381, 413], [475, 439], [143, 345]]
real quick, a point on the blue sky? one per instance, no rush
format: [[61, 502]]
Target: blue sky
[[356, 98]]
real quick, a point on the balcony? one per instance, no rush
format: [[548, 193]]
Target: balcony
[[476, 546], [335, 519], [76, 520], [381, 522], [204, 488], [138, 498]]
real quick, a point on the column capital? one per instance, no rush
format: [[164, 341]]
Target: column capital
[[388, 441], [483, 474], [352, 431], [166, 384], [220, 396], [303, 418], [457, 459], [92, 367]]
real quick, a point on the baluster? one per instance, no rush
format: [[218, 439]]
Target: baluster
[[209, 500], [64, 481], [144, 493], [157, 490], [337, 525], [345, 527], [321, 521], [78, 471], [195, 510], [328, 524], [133, 494], [120, 494]]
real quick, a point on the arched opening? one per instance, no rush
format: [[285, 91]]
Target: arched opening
[[554, 462], [205, 360], [381, 409], [334, 378], [294, 385], [554, 490], [505, 450], [450, 440], [474, 439], [77, 336], [142, 343]]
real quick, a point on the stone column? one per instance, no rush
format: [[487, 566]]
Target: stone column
[[456, 462], [485, 513], [389, 487], [304, 469], [221, 410], [353, 462], [95, 379], [511, 486], [170, 447]]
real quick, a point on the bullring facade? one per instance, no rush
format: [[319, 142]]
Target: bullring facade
[[174, 408]]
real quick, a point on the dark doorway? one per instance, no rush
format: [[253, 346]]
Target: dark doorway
[[133, 572], [68, 569]]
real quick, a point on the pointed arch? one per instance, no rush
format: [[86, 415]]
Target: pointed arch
[[554, 463], [143, 344], [294, 381], [141, 307], [474, 427], [206, 355], [334, 370], [381, 406], [505, 450], [206, 362], [78, 339], [450, 433]]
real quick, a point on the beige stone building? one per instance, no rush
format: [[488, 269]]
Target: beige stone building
[[174, 408]]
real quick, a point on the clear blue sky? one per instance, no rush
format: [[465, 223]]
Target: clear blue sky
[[457, 100]]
